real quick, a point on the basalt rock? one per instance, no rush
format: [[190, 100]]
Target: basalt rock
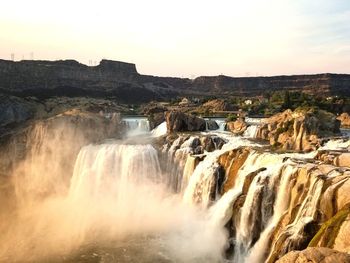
[[181, 122], [212, 125]]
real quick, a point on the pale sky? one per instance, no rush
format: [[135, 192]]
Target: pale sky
[[184, 38]]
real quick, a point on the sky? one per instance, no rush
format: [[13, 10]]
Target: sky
[[183, 38]]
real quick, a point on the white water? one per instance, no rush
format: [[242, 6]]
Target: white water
[[118, 191], [337, 144], [221, 122], [251, 131], [136, 126], [160, 130], [113, 168]]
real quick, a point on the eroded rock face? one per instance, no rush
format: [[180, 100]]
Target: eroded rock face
[[315, 255], [179, 121], [344, 119], [299, 130], [237, 127]]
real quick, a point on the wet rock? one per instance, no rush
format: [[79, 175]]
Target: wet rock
[[207, 143], [232, 161], [212, 125], [315, 255]]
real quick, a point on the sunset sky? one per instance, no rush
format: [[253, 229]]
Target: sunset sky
[[185, 37]]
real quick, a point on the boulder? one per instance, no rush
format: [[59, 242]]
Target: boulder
[[344, 119], [212, 125], [315, 255], [180, 122], [342, 160], [299, 130], [237, 127]]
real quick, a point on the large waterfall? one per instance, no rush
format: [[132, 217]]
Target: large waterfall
[[209, 197]]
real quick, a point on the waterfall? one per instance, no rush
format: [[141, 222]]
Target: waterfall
[[251, 131], [160, 130], [196, 202], [113, 169], [136, 126], [336, 144]]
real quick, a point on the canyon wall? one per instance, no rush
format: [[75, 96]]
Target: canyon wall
[[121, 81]]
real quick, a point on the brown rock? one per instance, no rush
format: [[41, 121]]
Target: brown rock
[[315, 255], [298, 130], [342, 160], [237, 127], [344, 119], [179, 121]]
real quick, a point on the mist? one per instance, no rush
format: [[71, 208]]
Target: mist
[[69, 197]]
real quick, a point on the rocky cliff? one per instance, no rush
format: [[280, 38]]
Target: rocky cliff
[[121, 81]]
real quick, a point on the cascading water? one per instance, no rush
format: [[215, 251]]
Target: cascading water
[[251, 131], [136, 126], [121, 195], [160, 130], [113, 169]]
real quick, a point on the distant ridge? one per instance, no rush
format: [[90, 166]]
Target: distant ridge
[[121, 81]]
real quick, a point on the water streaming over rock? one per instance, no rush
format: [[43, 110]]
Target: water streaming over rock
[[113, 168], [256, 205]]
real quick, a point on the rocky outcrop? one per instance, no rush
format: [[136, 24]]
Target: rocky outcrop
[[298, 130], [344, 119], [315, 255], [181, 122], [331, 84], [237, 127]]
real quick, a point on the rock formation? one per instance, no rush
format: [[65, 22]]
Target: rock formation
[[344, 119], [121, 81], [315, 255], [179, 122], [237, 127], [281, 204], [298, 130]]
